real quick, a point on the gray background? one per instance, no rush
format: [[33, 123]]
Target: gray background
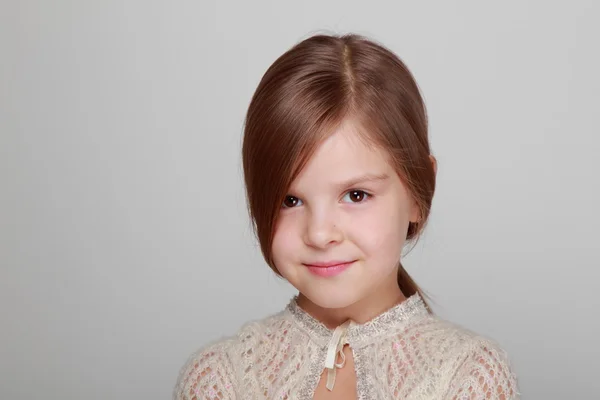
[[124, 241]]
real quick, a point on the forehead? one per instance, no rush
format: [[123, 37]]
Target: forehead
[[344, 155]]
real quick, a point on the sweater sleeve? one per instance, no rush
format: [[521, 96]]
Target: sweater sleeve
[[484, 373], [207, 375]]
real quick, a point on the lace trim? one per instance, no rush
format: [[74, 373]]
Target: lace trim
[[361, 334]]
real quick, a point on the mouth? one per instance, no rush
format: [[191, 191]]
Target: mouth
[[329, 268], [327, 264]]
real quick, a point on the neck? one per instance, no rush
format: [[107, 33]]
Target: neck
[[380, 300]]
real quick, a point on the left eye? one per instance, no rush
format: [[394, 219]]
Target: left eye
[[356, 196]]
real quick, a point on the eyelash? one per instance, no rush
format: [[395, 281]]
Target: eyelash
[[366, 194]]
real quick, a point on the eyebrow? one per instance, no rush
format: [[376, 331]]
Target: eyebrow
[[363, 179]]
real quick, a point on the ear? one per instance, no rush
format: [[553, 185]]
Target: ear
[[433, 164], [415, 212], [414, 215]]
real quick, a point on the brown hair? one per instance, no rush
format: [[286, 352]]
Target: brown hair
[[304, 95]]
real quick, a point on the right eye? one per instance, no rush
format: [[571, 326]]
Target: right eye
[[291, 201]]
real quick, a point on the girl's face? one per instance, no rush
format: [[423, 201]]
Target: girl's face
[[349, 206]]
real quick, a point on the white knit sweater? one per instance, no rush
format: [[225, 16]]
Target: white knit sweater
[[404, 353]]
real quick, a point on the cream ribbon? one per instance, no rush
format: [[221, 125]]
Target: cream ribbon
[[335, 347]]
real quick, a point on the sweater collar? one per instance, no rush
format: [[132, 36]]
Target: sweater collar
[[384, 324]]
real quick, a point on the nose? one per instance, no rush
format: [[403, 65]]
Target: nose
[[322, 230]]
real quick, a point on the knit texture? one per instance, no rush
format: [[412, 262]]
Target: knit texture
[[404, 353]]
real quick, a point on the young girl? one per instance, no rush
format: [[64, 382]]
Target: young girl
[[339, 177]]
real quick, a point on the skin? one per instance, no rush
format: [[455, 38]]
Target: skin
[[328, 217]]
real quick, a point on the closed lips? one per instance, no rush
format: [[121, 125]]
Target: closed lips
[[327, 264]]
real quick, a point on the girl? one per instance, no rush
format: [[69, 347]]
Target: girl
[[339, 176]]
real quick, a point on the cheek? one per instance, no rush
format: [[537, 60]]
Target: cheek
[[285, 240], [381, 233]]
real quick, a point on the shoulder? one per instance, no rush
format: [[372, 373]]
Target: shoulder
[[207, 372], [214, 369], [465, 364], [476, 366]]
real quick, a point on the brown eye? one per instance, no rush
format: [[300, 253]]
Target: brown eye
[[356, 196], [291, 201]]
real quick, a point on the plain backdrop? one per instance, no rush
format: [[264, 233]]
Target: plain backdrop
[[124, 240]]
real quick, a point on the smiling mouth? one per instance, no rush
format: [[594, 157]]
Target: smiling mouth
[[329, 269], [328, 264]]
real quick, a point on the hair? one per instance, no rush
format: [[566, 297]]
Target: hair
[[301, 99]]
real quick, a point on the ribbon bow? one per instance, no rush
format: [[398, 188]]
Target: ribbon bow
[[335, 347]]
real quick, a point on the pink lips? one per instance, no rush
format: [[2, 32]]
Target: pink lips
[[327, 269]]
